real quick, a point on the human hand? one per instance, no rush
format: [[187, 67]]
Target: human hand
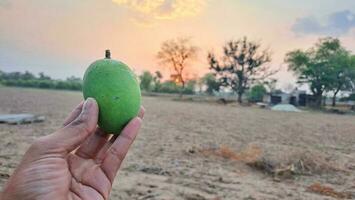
[[77, 162]]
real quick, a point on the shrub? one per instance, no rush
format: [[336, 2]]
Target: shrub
[[257, 93]]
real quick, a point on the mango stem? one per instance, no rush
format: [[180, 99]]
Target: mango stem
[[107, 54]]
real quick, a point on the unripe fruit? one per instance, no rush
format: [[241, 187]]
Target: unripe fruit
[[116, 89]]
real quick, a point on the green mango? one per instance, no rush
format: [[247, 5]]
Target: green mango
[[116, 89]]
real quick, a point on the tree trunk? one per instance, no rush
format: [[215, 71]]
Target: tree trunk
[[335, 98], [182, 89], [240, 95], [319, 98]]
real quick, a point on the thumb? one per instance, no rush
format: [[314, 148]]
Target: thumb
[[72, 135]]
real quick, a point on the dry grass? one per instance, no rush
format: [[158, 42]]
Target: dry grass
[[303, 163], [328, 191], [249, 154]]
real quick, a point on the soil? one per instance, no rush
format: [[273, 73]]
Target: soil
[[196, 151]]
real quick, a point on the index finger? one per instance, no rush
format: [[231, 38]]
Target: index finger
[[74, 114], [103, 151], [118, 150]]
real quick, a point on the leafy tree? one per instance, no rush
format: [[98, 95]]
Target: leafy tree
[[313, 66], [351, 97], [157, 80], [169, 87], [1, 77], [257, 93], [242, 64], [27, 79], [42, 76], [28, 76], [172, 87], [176, 54], [12, 76], [211, 82], [342, 73], [146, 80], [74, 79], [270, 85], [190, 87]]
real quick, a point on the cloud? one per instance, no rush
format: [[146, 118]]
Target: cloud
[[4, 3], [335, 24], [163, 9]]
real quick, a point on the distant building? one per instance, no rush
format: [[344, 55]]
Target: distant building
[[296, 98], [228, 95]]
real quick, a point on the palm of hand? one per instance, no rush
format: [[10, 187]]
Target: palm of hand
[[72, 177], [78, 162]]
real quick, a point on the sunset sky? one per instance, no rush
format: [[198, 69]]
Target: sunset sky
[[62, 37]]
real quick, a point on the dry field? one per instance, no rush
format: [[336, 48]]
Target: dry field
[[202, 151]]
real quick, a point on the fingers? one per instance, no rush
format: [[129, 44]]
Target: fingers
[[98, 141], [141, 112], [93, 144], [73, 134], [102, 153], [119, 148], [74, 114]]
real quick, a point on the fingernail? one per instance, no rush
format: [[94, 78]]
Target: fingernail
[[136, 122], [89, 102], [141, 113]]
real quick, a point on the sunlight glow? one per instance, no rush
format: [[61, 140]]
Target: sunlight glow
[[164, 9]]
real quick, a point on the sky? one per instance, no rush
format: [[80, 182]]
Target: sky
[[61, 38]]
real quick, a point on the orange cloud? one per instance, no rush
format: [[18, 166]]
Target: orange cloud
[[164, 9]]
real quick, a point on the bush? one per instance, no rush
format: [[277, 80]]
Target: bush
[[211, 82], [172, 88], [257, 93], [351, 97], [190, 87], [169, 87], [27, 79], [146, 80]]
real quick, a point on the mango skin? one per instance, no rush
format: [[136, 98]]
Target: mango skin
[[116, 89]]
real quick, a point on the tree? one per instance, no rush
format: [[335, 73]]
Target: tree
[[28, 76], [42, 76], [257, 93], [190, 87], [27, 79], [74, 79], [313, 66], [177, 54], [342, 73], [351, 97], [1, 76], [242, 64], [169, 87], [146, 79], [157, 80], [270, 85], [210, 81]]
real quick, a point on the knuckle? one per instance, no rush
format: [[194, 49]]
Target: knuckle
[[78, 121], [80, 124], [39, 144], [117, 154], [127, 137]]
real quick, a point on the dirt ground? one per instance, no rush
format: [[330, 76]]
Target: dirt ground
[[199, 151]]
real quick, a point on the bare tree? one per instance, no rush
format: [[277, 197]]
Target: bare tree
[[242, 64], [177, 54]]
